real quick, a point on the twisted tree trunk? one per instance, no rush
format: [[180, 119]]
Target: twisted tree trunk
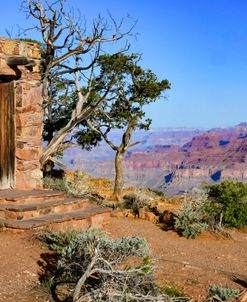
[[118, 183]]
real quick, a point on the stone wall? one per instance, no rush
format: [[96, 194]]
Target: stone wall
[[29, 111]]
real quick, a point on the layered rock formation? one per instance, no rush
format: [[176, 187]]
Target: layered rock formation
[[207, 157], [216, 155]]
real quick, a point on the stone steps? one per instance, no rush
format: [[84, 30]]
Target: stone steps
[[79, 219], [46, 209], [27, 196], [25, 211]]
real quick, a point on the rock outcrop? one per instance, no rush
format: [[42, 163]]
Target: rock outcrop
[[216, 155]]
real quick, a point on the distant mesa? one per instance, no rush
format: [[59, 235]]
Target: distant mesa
[[173, 160]]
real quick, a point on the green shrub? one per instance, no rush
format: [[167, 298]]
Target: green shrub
[[74, 244], [29, 40], [190, 220], [172, 291], [60, 184], [157, 192], [189, 223], [77, 186], [220, 293], [99, 263], [88, 266], [227, 204]]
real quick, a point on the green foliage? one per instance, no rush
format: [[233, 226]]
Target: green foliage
[[77, 245], [172, 291], [76, 249], [189, 224], [29, 40], [58, 240], [227, 203], [220, 293], [132, 88], [157, 192], [190, 221], [102, 262], [59, 113], [60, 184], [76, 186], [87, 138]]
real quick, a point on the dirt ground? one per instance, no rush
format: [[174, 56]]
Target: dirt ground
[[19, 279], [189, 265]]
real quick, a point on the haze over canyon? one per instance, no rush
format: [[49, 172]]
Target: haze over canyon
[[171, 160]]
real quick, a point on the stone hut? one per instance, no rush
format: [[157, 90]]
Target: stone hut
[[21, 115]]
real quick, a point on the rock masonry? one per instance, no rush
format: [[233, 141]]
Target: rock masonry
[[28, 110]]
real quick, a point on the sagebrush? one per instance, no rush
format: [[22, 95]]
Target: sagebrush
[[89, 266], [222, 293], [76, 185], [190, 220]]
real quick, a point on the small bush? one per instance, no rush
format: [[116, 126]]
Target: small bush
[[157, 192], [220, 293], [190, 221], [91, 267], [189, 224], [172, 291], [136, 201], [60, 184], [76, 185], [227, 204]]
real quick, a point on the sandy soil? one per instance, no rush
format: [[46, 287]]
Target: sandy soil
[[190, 265], [19, 279]]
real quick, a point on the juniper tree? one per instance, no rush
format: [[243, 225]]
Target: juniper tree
[[124, 108]]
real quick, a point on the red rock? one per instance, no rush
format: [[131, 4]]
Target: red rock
[[29, 112]]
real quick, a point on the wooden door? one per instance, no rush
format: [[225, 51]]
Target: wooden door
[[7, 136]]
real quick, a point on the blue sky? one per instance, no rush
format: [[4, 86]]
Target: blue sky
[[199, 45]]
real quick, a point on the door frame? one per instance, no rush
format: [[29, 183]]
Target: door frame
[[12, 136]]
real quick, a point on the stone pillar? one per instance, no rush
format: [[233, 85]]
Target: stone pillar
[[29, 111]]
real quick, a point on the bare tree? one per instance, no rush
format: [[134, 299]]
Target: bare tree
[[69, 63]]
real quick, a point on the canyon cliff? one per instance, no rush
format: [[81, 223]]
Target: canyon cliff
[[165, 161]]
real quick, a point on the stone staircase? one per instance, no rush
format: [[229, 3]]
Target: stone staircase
[[48, 210]]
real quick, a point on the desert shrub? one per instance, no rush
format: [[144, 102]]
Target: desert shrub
[[172, 291], [29, 40], [157, 192], [220, 293], [227, 204], [136, 201], [91, 267], [190, 220], [60, 184], [76, 185]]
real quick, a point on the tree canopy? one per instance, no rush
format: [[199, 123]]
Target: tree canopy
[[132, 89]]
